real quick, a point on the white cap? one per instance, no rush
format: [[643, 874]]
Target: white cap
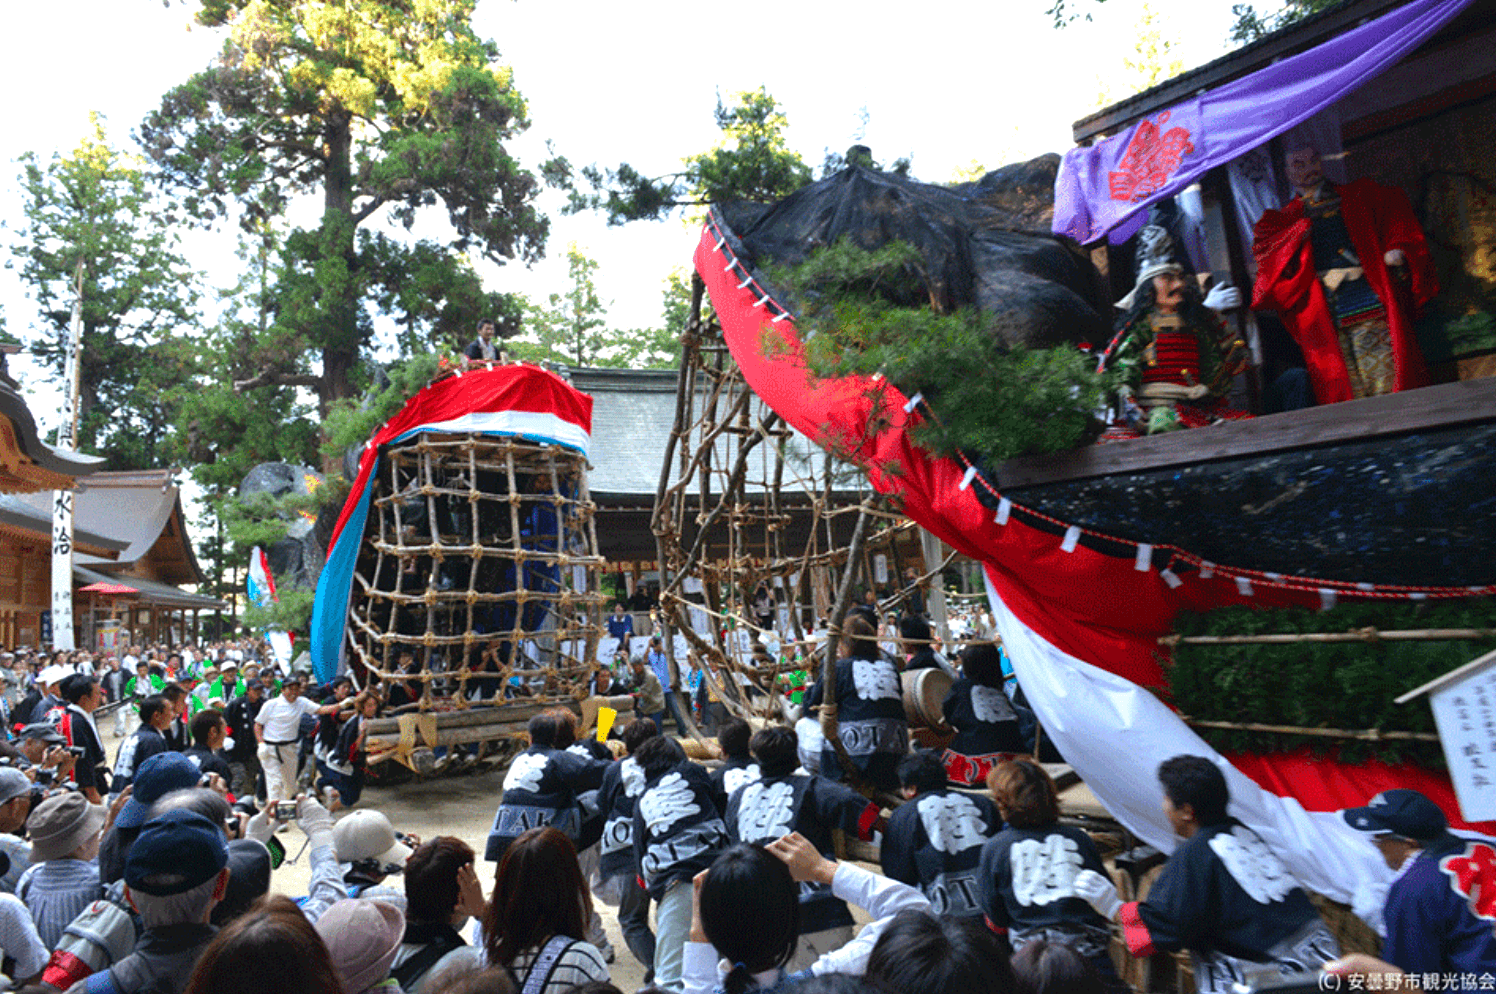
[[368, 834]]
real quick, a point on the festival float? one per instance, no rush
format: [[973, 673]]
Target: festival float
[[1355, 528], [462, 574]]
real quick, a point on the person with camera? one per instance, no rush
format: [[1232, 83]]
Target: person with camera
[[45, 755]]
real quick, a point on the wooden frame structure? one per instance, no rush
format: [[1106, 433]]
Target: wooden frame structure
[[740, 506], [479, 567]]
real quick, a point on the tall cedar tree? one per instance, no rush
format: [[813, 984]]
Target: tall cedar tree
[[385, 108], [92, 207]]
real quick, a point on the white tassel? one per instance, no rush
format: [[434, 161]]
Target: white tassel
[[971, 472], [1326, 598], [1171, 578], [1144, 561], [1244, 586], [1207, 570], [1072, 536], [1004, 508], [913, 403]]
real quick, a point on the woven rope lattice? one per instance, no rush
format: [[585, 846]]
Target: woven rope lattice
[[479, 564]]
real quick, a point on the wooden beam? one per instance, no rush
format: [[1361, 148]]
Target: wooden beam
[[1446, 406]]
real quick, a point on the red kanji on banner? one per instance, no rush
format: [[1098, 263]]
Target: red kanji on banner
[[1472, 874], [1151, 158]]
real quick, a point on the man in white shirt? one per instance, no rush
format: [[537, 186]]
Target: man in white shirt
[[277, 729]]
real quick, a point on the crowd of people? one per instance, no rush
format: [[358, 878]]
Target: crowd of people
[[156, 872]]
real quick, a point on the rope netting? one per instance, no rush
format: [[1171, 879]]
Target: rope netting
[[478, 578]]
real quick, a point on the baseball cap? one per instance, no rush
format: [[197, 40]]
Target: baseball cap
[[1400, 812], [157, 777], [254, 685], [174, 853], [13, 784], [368, 835], [45, 731]]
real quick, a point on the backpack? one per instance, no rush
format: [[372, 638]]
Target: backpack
[[101, 935]]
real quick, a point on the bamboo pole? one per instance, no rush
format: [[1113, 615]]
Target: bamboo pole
[[1366, 734], [1355, 635]]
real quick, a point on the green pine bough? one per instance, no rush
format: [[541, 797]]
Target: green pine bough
[[1323, 685], [866, 312]]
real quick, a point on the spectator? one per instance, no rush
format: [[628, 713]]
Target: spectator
[[539, 913], [368, 845], [63, 877], [1431, 917], [176, 733], [362, 938], [620, 625], [934, 842], [208, 735], [659, 665], [146, 741], [441, 892], [745, 895], [19, 942], [919, 953], [157, 777], [784, 801], [1223, 894], [17, 794], [272, 949]]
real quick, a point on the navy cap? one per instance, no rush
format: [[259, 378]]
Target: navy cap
[[174, 853], [1399, 812], [157, 777]]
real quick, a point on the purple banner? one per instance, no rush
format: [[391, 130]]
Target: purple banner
[[1102, 187]]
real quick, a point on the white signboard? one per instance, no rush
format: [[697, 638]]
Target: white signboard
[[1465, 711], [880, 568], [62, 570]]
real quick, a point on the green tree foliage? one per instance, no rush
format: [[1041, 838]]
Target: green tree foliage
[[386, 110], [1342, 685], [223, 433], [568, 328], [864, 312], [92, 209], [1251, 25], [751, 162]]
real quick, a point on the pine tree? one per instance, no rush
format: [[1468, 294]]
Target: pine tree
[[387, 110]]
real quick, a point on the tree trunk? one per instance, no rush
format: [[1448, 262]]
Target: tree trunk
[[340, 331]]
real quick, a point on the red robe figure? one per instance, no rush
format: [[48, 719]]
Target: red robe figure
[[1347, 269]]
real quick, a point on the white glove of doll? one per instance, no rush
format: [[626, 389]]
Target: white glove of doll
[[1223, 297], [1098, 892]]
